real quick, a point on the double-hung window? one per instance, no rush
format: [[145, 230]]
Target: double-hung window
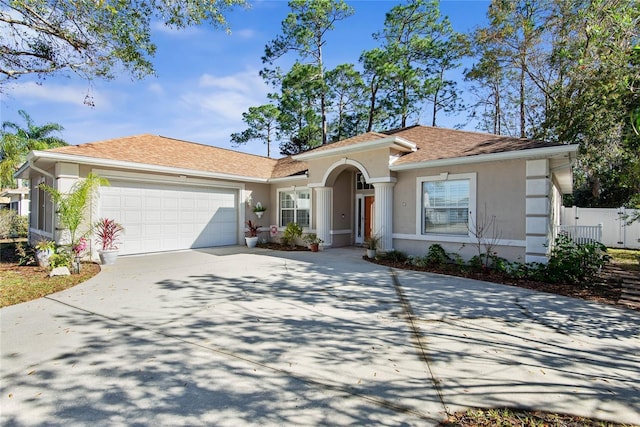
[[295, 206], [446, 202]]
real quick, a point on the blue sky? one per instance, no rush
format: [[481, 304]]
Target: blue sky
[[205, 79]]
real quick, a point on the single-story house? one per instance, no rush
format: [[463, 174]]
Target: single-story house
[[412, 187], [15, 199]]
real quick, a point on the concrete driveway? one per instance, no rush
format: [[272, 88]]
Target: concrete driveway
[[236, 337]]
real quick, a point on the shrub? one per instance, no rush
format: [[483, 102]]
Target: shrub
[[292, 232], [573, 262], [13, 225], [60, 259], [26, 254], [489, 261], [437, 255], [394, 256]]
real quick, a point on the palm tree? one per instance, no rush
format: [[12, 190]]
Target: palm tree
[[17, 142]]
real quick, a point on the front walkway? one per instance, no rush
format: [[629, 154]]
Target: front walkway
[[236, 337]]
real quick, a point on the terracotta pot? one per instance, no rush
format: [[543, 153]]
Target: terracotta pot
[[314, 247]]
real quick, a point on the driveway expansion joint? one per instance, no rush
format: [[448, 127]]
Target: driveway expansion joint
[[423, 353]]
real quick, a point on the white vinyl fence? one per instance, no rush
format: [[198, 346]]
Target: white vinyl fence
[[615, 231]]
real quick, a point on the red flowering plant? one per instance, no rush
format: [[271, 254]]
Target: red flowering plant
[[80, 247], [107, 233], [253, 228]]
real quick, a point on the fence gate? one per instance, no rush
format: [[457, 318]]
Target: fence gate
[[616, 233]]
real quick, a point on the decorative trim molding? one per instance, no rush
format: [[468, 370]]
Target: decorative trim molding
[[440, 238]]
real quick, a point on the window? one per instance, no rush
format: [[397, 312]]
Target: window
[[446, 204], [361, 184], [42, 207], [295, 206]]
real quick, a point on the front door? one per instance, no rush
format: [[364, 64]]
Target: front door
[[364, 217], [369, 205]]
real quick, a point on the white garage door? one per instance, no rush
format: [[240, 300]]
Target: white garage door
[[159, 217]]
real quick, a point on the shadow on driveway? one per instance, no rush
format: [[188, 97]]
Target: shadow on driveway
[[231, 337]]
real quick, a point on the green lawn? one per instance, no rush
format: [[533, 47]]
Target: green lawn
[[628, 257]]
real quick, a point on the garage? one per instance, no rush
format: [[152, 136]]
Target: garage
[[166, 217]]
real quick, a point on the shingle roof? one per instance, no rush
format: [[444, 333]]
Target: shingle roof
[[288, 167], [163, 151], [363, 137], [439, 143], [432, 144]]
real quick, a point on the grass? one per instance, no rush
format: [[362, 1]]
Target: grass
[[630, 258], [26, 283]]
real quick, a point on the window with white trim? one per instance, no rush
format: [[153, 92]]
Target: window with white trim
[[447, 201], [295, 206]]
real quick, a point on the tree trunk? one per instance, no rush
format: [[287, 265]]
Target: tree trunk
[[522, 104]]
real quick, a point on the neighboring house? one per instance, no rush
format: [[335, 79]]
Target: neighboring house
[[413, 187], [15, 199]]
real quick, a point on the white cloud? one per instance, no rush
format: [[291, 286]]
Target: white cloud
[[244, 34], [156, 88], [226, 96], [192, 31], [31, 92], [246, 82]]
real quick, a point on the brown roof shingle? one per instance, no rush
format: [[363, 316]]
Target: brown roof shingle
[[432, 144], [163, 151], [439, 143]]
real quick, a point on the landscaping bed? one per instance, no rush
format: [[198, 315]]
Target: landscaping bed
[[282, 247], [607, 290], [21, 283], [514, 417]]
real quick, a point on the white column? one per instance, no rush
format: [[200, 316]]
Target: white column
[[323, 214], [383, 214], [538, 211]]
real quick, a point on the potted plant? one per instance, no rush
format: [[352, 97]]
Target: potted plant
[[258, 209], [44, 250], [252, 238], [313, 240], [107, 234], [372, 244]]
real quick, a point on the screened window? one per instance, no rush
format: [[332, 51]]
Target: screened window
[[295, 206], [42, 208], [446, 206]]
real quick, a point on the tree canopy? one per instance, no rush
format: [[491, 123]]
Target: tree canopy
[[92, 38], [16, 142]]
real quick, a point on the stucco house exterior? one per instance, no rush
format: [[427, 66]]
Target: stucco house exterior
[[15, 199], [413, 187]]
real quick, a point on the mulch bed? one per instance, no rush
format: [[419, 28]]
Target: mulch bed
[[607, 290], [280, 247]]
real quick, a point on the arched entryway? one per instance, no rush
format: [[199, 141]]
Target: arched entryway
[[347, 209]]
